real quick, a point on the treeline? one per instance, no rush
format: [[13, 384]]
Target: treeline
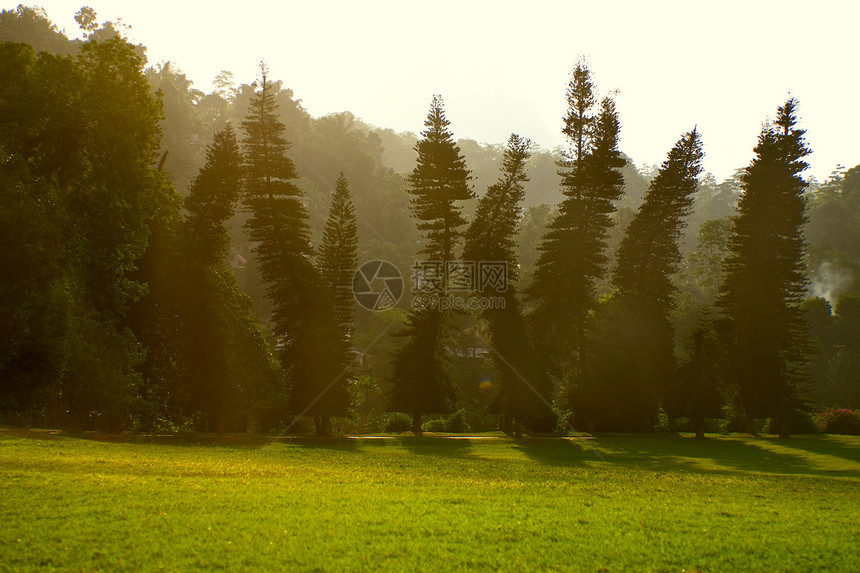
[[227, 306]]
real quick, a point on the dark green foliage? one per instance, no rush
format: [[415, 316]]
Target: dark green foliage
[[649, 254], [799, 423], [524, 389], [641, 362], [572, 254], [212, 199], [454, 423], [303, 319], [533, 225], [338, 262], [116, 312], [421, 382], [836, 337], [706, 262], [492, 234], [396, 422], [88, 157], [435, 425], [32, 294], [337, 257], [438, 184], [696, 392], [765, 276], [226, 366]]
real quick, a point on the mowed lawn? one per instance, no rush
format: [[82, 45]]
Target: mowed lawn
[[611, 503]]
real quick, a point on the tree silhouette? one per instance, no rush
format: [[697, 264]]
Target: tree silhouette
[[302, 317], [572, 251], [437, 185], [641, 363], [524, 390], [765, 277]]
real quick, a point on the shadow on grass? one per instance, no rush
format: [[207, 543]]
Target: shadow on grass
[[341, 444], [436, 446], [565, 452], [746, 454], [825, 444], [239, 441], [831, 456]]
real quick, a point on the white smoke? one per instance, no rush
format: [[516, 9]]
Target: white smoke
[[831, 281]]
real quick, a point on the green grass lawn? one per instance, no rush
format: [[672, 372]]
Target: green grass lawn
[[613, 503]]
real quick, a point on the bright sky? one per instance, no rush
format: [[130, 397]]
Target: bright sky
[[503, 66]]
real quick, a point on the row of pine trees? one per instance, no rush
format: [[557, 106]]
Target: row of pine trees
[[123, 311], [609, 361]]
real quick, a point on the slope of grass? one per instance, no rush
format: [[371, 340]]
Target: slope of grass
[[613, 503]]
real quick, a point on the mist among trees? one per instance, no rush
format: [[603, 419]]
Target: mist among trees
[[179, 260]]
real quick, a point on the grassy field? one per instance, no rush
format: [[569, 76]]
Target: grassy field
[[612, 503]]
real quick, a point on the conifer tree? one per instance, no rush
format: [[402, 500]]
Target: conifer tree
[[523, 388], [439, 182], [632, 376], [212, 199], [764, 277], [572, 252], [697, 391], [338, 260], [338, 256], [302, 319]]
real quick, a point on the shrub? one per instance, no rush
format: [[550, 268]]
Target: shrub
[[547, 422], [359, 423], [457, 422], [396, 422], [839, 421], [435, 425], [798, 423]]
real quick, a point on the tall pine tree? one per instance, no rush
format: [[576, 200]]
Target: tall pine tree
[[338, 260], [572, 254], [524, 390], [439, 182], [302, 319], [636, 351], [212, 200], [765, 279]]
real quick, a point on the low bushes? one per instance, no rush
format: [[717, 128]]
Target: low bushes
[[839, 421]]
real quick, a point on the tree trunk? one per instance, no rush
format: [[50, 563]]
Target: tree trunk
[[416, 423], [518, 429], [750, 421], [219, 425], [114, 424], [673, 424], [590, 426], [700, 427], [783, 427], [506, 424], [318, 425], [325, 425]]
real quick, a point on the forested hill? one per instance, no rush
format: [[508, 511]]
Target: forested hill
[[103, 152]]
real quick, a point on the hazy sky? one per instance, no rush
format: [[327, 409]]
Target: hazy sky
[[503, 67]]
